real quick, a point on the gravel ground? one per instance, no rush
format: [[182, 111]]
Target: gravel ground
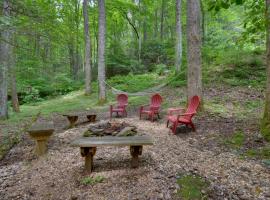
[[58, 174]]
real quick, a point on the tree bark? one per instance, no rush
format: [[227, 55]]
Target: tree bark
[[162, 20], [178, 46], [101, 51], [265, 124], [194, 42], [72, 58], [87, 56], [156, 24], [13, 82], [4, 62]]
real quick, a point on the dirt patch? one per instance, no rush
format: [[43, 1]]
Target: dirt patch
[[58, 174]]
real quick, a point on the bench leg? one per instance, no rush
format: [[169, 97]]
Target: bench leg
[[72, 120], [88, 153], [91, 118], [135, 151], [41, 147]]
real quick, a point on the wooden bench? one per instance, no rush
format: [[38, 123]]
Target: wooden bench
[[88, 146], [41, 132], [73, 117]]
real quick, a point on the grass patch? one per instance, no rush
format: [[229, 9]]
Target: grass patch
[[192, 187], [135, 83], [236, 141], [92, 180], [216, 108], [262, 153]]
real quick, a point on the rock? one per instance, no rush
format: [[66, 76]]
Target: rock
[[127, 131], [95, 130]]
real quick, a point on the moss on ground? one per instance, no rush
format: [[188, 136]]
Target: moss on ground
[[236, 141], [192, 187]]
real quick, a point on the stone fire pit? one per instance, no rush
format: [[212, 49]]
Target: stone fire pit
[[109, 128]]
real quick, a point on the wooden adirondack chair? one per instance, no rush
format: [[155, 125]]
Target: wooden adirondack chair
[[122, 102], [185, 117], [153, 108]]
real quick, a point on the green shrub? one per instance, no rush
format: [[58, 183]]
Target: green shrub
[[177, 80], [31, 95], [161, 69]]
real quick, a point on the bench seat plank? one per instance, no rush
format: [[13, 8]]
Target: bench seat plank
[[112, 141]]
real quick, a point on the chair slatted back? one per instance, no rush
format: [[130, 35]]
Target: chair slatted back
[[156, 101], [193, 105], [122, 100]]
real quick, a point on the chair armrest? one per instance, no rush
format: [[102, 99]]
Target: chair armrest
[[186, 114], [144, 105], [175, 110], [122, 106]]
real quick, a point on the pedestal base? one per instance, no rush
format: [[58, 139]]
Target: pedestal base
[[88, 153], [135, 151]]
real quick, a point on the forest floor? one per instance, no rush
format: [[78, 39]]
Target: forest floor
[[226, 151]]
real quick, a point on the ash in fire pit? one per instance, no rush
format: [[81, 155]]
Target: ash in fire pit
[[106, 128]]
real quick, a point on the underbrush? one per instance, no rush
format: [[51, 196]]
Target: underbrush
[[234, 67], [135, 83]]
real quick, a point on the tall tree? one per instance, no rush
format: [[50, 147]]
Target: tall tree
[[4, 60], [194, 42], [178, 46], [162, 13], [87, 51], [265, 124], [13, 81], [101, 51]]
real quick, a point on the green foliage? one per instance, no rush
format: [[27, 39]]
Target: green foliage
[[191, 187], [135, 83], [236, 140], [177, 80], [234, 67], [32, 95], [219, 4], [156, 52], [161, 69], [92, 180]]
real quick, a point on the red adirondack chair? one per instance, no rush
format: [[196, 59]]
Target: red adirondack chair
[[152, 109], [186, 116], [122, 102]]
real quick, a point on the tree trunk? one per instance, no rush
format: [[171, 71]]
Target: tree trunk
[[202, 21], [13, 82], [87, 56], [162, 20], [72, 58], [156, 24], [178, 46], [194, 42], [4, 61], [265, 124], [101, 51]]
